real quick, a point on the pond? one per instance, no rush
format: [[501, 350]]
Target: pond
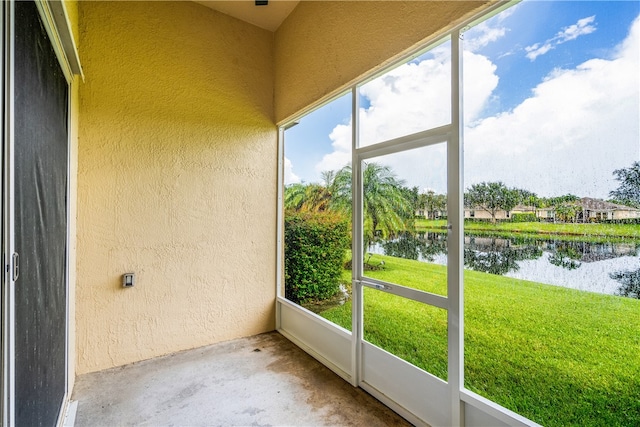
[[607, 267]]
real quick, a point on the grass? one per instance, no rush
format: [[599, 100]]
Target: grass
[[591, 231], [557, 356]]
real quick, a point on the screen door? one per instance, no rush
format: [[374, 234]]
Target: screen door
[[407, 231], [40, 155]]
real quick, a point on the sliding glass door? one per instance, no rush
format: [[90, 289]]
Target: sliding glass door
[[35, 200]]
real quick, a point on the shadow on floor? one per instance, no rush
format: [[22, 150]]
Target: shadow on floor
[[257, 381]]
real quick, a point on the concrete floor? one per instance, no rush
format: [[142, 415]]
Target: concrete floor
[[257, 381]]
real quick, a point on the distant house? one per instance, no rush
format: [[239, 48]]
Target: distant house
[[546, 214], [480, 213], [590, 210], [596, 210], [437, 214], [593, 210], [523, 209]]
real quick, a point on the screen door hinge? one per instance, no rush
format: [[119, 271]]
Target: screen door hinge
[[15, 266]]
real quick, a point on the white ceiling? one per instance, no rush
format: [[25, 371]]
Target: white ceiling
[[268, 17]]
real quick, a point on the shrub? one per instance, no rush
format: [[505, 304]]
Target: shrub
[[524, 217], [314, 249], [622, 221], [478, 220]]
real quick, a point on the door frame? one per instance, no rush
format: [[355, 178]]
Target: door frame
[[8, 290]]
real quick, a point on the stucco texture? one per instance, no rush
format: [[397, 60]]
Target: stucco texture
[[324, 46], [176, 183]]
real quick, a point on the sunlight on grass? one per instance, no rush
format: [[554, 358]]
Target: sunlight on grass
[[424, 338], [411, 275], [543, 228], [555, 355]]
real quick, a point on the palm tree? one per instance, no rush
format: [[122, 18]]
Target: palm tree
[[307, 197], [294, 196], [433, 204], [386, 208], [568, 212], [341, 191]]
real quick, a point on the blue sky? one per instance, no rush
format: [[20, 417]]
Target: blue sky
[[552, 104], [611, 22]]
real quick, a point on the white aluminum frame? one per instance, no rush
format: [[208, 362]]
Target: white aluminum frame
[[56, 23], [455, 240], [390, 379], [357, 252], [417, 395], [8, 243]]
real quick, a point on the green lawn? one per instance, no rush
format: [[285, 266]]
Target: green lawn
[[589, 230], [555, 355]]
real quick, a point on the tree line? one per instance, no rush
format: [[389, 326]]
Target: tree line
[[389, 207]]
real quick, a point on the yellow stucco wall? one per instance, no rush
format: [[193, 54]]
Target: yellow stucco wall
[[177, 181], [325, 45]]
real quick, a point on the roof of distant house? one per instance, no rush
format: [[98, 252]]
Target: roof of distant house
[[601, 205]]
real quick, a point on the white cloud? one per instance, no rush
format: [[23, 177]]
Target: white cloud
[[579, 125], [409, 99], [480, 80], [289, 176], [572, 32], [341, 154], [483, 34], [581, 28], [536, 50], [424, 167], [415, 97]]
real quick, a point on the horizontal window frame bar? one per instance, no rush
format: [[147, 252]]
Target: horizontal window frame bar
[[425, 138], [424, 297], [495, 410]]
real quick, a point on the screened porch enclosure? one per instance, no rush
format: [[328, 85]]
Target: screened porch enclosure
[[460, 302]]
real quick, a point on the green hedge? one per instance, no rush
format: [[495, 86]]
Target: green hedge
[[314, 249], [622, 221], [524, 217]]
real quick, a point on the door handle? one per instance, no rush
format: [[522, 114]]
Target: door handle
[[15, 261]]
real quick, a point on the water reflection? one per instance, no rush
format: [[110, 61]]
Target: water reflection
[[566, 256], [496, 255], [422, 246], [499, 261], [599, 266], [630, 281]]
